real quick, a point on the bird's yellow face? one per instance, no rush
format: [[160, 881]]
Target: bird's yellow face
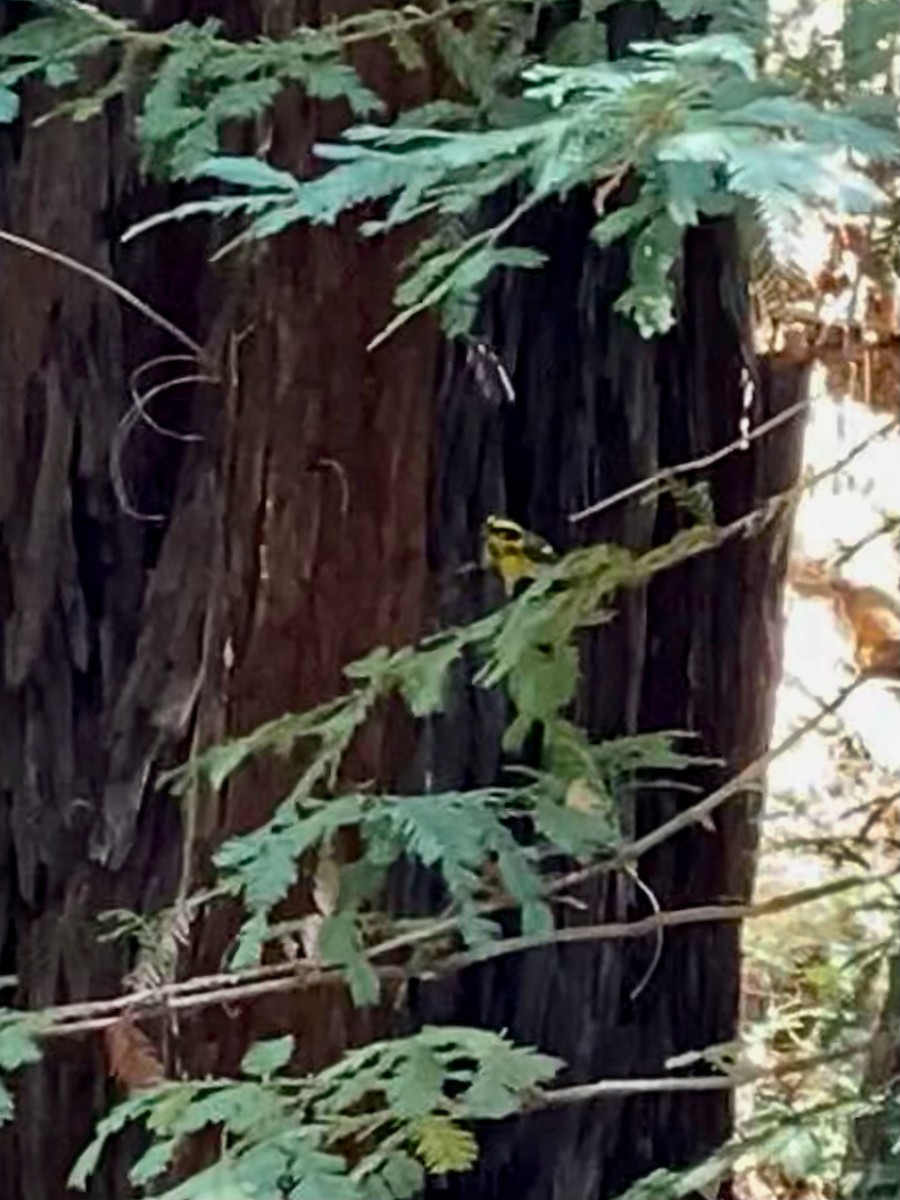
[[512, 552]]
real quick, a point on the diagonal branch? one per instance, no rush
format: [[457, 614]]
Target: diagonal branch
[[697, 814], [740, 1077], [695, 464], [223, 989], [705, 914]]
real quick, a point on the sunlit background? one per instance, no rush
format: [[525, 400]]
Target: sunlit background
[[841, 512]]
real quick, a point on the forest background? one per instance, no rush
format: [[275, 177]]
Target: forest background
[[506, 855]]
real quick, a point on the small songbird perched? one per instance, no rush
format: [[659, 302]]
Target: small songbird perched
[[514, 553]]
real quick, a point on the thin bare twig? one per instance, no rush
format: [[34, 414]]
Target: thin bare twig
[[610, 183], [701, 811], [696, 464], [123, 294], [740, 1077], [890, 524], [660, 936], [163, 998], [349, 31], [136, 415], [223, 989], [705, 914]]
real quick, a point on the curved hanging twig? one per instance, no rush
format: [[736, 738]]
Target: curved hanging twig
[[658, 949], [138, 414]]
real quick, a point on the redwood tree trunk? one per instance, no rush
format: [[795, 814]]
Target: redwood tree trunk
[[596, 408], [874, 1151], [284, 544], [326, 512]]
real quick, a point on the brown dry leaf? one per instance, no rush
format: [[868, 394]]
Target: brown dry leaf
[[131, 1056]]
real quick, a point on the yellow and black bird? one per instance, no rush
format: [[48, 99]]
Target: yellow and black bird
[[514, 553]]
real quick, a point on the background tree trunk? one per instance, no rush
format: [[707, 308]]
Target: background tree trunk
[[294, 539], [874, 1151]]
